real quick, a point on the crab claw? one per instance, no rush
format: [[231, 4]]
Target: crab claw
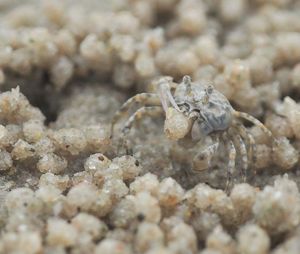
[[199, 130], [165, 95], [177, 125]]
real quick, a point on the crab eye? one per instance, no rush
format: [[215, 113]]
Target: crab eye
[[209, 89], [187, 106], [195, 114], [196, 111], [184, 106]]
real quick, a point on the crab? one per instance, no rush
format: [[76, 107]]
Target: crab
[[193, 112]]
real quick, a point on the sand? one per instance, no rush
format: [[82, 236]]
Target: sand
[[68, 186]]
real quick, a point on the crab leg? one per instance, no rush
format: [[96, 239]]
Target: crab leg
[[251, 142], [140, 113], [142, 98], [243, 152], [202, 160], [231, 160], [255, 122]]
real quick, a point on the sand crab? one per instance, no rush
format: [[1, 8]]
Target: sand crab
[[194, 111]]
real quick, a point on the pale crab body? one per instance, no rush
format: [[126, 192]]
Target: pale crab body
[[210, 109], [193, 112]]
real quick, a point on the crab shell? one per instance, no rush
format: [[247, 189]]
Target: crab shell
[[213, 109]]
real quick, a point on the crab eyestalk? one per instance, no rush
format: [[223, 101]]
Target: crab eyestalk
[[208, 92], [177, 125], [187, 80]]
